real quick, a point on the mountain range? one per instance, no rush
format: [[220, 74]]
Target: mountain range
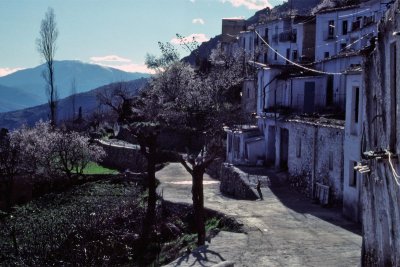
[[87, 101], [26, 88]]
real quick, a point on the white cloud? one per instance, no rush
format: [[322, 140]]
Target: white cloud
[[6, 71], [194, 37], [110, 58], [132, 67], [192, 1], [249, 4], [198, 21], [241, 17]]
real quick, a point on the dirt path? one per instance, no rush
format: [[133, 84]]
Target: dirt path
[[284, 229]]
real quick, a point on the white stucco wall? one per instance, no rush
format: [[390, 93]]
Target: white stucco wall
[[356, 37], [315, 154], [352, 148], [265, 92], [297, 90]]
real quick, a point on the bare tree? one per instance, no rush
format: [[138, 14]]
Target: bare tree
[[46, 46], [73, 97]]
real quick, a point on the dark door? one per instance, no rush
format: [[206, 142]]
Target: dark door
[[284, 148], [329, 91], [309, 97], [271, 145]]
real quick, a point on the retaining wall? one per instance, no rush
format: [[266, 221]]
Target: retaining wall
[[123, 157], [234, 183]]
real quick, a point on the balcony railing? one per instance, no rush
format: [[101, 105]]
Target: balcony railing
[[288, 37], [298, 106]]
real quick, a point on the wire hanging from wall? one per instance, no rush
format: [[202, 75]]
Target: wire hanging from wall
[[396, 176], [294, 63]]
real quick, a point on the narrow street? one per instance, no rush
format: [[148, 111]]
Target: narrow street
[[284, 229]]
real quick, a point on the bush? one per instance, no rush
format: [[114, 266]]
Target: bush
[[48, 152]]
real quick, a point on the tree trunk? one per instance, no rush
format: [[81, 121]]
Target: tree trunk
[[149, 220], [9, 192], [198, 203]]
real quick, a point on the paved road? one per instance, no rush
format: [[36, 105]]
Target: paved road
[[284, 229]]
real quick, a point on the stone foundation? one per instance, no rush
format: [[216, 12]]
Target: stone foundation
[[235, 183], [123, 157]]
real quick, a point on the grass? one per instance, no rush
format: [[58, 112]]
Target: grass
[[94, 168], [94, 224]]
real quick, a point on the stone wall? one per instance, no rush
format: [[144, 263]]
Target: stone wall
[[234, 183], [316, 156], [123, 157]]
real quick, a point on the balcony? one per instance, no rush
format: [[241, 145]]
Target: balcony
[[288, 36]]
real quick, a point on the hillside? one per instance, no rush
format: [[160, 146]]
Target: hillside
[[14, 98], [88, 101], [25, 88]]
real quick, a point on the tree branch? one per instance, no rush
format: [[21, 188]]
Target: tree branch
[[183, 162]]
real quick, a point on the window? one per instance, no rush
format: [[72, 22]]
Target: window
[[352, 174], [331, 28], [265, 57], [266, 34], [329, 91], [326, 55], [356, 104], [298, 147], [287, 55], [294, 55], [355, 107], [344, 27], [276, 55], [330, 161], [294, 36], [248, 93], [343, 46]]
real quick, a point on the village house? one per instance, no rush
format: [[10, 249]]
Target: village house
[[342, 35], [309, 116]]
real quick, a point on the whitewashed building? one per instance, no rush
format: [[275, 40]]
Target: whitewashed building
[[309, 116], [352, 143]]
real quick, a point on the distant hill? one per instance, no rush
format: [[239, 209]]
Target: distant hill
[[14, 98], [88, 102], [203, 51], [27, 87]]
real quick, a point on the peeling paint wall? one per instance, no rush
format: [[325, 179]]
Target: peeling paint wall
[[320, 159], [249, 96], [315, 154], [380, 192]]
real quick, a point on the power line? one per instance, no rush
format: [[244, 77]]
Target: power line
[[294, 63], [396, 176]]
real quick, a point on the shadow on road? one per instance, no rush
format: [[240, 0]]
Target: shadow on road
[[200, 256], [289, 197]]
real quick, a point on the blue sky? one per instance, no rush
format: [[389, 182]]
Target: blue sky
[[111, 32]]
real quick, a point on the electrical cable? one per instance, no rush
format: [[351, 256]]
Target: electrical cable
[[294, 63], [396, 176]]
